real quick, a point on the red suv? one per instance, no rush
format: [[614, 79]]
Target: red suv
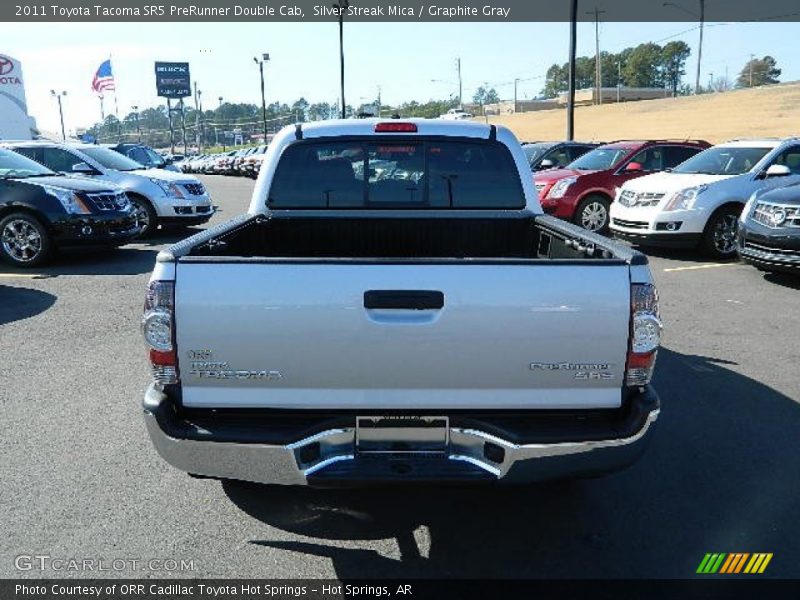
[[583, 191]]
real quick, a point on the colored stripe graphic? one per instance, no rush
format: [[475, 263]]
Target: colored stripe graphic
[[734, 563]]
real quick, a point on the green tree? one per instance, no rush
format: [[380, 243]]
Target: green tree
[[673, 61], [643, 68], [759, 71], [485, 95]]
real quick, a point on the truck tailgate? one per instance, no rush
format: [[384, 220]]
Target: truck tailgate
[[424, 335]]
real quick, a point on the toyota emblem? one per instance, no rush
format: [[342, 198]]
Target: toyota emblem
[[6, 65]]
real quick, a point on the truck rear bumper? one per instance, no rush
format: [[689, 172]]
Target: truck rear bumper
[[331, 457]]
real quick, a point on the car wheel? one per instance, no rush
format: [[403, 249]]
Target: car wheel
[[24, 241], [719, 237], [592, 214], [145, 215]]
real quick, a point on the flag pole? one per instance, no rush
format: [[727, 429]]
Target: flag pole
[[116, 104], [102, 110]]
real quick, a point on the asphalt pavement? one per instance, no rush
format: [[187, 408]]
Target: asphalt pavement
[[80, 479]]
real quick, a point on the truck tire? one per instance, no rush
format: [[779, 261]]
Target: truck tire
[[24, 241], [719, 236], [592, 213], [145, 215]]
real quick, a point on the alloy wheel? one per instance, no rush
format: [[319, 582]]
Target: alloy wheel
[[594, 216], [21, 241], [725, 234]]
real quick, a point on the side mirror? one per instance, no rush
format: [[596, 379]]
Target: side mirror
[[633, 167], [83, 169], [778, 171], [546, 164]]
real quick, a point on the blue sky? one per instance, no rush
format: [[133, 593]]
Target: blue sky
[[402, 58]]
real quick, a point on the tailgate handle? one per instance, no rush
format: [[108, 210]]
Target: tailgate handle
[[404, 299]]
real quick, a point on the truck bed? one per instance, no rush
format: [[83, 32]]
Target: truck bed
[[376, 236]]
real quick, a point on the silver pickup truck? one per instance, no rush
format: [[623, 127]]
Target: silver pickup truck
[[395, 307]]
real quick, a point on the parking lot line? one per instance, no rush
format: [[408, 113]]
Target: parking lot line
[[696, 267]]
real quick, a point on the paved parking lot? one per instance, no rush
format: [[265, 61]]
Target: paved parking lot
[[80, 479]]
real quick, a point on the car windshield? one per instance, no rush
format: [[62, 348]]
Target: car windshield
[[111, 159], [723, 161], [599, 159], [535, 151], [16, 166]]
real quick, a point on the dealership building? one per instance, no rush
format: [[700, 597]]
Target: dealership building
[[15, 124]]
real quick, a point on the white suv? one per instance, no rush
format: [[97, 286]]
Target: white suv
[[158, 196], [699, 202]]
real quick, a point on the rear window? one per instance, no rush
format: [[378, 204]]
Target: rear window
[[396, 174]]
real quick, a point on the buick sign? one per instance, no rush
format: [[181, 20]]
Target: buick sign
[[172, 80]]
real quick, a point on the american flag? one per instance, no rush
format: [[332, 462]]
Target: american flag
[[104, 78]]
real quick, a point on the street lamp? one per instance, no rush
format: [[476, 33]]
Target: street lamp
[[223, 128], [260, 63], [341, 6], [57, 96], [702, 17], [135, 110]]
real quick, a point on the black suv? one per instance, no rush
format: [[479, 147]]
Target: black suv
[[144, 155], [555, 155], [769, 230], [41, 210]]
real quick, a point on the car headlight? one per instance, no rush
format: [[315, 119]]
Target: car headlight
[[169, 188], [685, 199], [69, 200], [749, 206], [560, 187]]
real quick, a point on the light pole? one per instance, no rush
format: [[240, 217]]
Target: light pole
[[57, 96], [702, 17], [223, 127], [341, 6], [516, 81], [260, 63], [460, 99], [202, 121], [135, 110], [573, 47], [102, 109]]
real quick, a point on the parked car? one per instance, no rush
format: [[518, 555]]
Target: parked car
[[418, 329], [145, 156], [555, 155], [158, 196], [42, 211], [456, 114], [769, 230], [698, 203], [582, 192], [251, 165]]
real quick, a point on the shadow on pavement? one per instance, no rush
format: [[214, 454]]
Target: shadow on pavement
[[17, 303], [784, 279], [720, 475]]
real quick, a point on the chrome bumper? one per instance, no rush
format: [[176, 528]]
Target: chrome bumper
[[335, 456]]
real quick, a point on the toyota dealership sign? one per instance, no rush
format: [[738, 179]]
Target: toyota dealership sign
[[14, 120]]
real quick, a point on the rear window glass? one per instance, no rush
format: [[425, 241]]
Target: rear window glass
[[396, 174]]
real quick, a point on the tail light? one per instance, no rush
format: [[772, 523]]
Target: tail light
[[395, 127], [645, 336], [158, 328]]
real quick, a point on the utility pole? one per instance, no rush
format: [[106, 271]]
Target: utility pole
[[573, 41], [342, 6], [516, 81], [196, 118], [202, 121], [379, 101], [711, 82], [598, 68], [57, 96], [700, 43], [752, 58], [460, 84], [619, 79], [183, 128]]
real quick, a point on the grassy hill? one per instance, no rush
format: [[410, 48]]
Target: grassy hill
[[766, 111]]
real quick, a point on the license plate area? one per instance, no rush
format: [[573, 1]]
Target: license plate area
[[402, 434]]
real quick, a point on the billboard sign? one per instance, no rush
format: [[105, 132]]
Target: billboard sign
[[172, 80]]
